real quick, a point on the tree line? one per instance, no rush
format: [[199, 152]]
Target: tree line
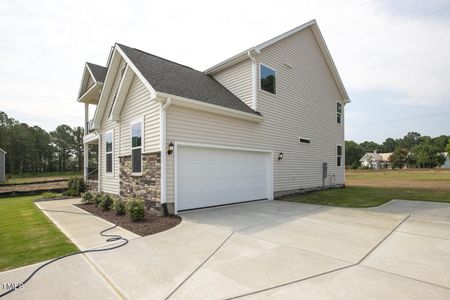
[[31, 149], [413, 150]]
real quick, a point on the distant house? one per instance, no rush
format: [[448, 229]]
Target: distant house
[[446, 165], [375, 160], [2, 164]]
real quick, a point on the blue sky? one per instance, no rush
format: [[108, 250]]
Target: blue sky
[[393, 56]]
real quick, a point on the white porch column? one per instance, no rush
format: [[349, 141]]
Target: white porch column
[[86, 146]]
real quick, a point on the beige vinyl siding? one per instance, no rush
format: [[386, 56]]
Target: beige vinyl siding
[[304, 106], [238, 79], [110, 182], [138, 105], [90, 81]]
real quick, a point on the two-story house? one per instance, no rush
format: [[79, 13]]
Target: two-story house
[[264, 123]]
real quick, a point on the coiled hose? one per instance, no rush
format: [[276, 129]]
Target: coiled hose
[[111, 238]]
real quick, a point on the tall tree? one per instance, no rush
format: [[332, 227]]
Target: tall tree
[[369, 146], [78, 133], [353, 153], [399, 158], [63, 140], [389, 145], [410, 140]]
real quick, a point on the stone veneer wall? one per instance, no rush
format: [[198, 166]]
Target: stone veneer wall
[[148, 185]]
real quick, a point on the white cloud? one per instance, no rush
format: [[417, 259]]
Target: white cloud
[[45, 43]]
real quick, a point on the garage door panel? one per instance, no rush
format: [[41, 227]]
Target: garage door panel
[[212, 176]]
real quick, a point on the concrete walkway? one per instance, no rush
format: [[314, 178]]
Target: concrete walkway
[[269, 249]]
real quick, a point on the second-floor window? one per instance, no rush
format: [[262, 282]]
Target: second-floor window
[[136, 147], [109, 151], [267, 79], [339, 112]]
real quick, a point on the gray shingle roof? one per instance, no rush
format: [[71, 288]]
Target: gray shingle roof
[[98, 72], [179, 80]]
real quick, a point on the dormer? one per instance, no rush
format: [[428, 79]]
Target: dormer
[[92, 83]]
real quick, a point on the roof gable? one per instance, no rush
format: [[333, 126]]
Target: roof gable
[[257, 49]]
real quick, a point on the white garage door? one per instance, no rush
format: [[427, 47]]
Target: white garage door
[[213, 176]]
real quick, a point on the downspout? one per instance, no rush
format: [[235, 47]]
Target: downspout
[[254, 79], [163, 110]]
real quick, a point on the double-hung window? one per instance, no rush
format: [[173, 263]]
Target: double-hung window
[[339, 155], [136, 147], [109, 151], [267, 79], [339, 112]]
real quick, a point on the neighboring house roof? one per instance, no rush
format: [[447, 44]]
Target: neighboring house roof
[[172, 78], [375, 157], [322, 45], [1, 150], [98, 72]]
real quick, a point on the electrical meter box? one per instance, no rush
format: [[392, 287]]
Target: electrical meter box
[[324, 170]]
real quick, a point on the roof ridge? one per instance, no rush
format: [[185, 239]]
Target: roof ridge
[[168, 60]]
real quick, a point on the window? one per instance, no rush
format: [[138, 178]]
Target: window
[[339, 155], [268, 79], [339, 113], [305, 141], [136, 147], [109, 151]]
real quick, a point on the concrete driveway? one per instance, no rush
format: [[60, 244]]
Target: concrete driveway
[[269, 249]]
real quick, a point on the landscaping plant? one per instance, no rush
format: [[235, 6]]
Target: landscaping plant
[[87, 198], [118, 206], [98, 198], [135, 209], [106, 202], [75, 186]]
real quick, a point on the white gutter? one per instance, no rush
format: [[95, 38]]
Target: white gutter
[[254, 80], [163, 108]]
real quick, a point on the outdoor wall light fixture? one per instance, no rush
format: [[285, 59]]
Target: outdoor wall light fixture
[[280, 156], [170, 148]]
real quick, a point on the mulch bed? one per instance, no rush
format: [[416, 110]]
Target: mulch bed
[[149, 225]]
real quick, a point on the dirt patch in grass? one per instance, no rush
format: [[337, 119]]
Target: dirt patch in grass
[[150, 225]]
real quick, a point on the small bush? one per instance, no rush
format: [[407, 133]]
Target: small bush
[[98, 198], [106, 202], [135, 209], [75, 186], [118, 206], [49, 195], [87, 198]]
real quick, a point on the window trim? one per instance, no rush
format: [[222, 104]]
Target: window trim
[[134, 122], [304, 138], [109, 174], [339, 113], [259, 76], [337, 155]]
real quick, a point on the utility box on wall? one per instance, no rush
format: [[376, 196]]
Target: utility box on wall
[[324, 170]]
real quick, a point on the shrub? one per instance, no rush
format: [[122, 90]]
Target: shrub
[[106, 202], [87, 198], [135, 209], [49, 195], [118, 206], [75, 186], [98, 198]]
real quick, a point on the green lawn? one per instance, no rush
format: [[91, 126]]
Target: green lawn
[[363, 196], [27, 236], [38, 177]]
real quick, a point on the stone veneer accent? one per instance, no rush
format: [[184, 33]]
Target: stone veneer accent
[[147, 185]]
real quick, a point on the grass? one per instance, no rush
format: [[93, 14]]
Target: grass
[[373, 188], [38, 177], [27, 236]]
